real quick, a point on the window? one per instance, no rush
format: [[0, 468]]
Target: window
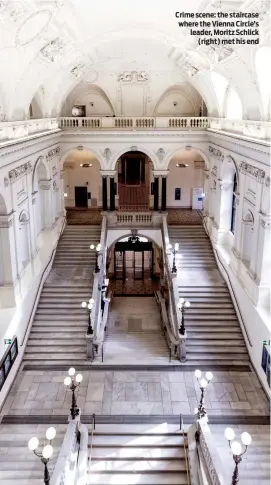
[[233, 211]]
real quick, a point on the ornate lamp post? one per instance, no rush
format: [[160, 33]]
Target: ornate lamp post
[[88, 307], [98, 249], [203, 383], [46, 451], [174, 251], [236, 449], [72, 382], [182, 305]]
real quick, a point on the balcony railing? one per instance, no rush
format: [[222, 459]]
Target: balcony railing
[[132, 123], [14, 130], [138, 219]]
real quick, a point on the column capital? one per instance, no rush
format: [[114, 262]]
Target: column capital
[[160, 173], [108, 173]]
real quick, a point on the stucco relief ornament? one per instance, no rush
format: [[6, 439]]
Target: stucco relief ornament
[[19, 172], [133, 149], [216, 153], [125, 76], [267, 181], [78, 70], [161, 154], [6, 182], [53, 50], [218, 54], [254, 171], [107, 154], [142, 76], [190, 69], [11, 10]]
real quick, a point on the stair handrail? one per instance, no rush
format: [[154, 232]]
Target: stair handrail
[[185, 450], [171, 339], [100, 342], [40, 285], [99, 280], [217, 256], [65, 470], [91, 438], [172, 303]]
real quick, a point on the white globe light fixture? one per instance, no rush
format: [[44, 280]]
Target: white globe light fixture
[[203, 384], [72, 382], [46, 451], [237, 450], [183, 305]]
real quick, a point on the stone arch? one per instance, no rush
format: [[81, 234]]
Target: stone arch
[[79, 148], [139, 234], [200, 152], [136, 148], [40, 172], [40, 208]]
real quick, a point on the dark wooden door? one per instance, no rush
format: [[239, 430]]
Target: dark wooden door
[[81, 196]]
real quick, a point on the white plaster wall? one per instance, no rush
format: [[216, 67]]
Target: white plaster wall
[[185, 178], [76, 176]]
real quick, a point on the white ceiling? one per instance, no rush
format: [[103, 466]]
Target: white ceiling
[[50, 47]]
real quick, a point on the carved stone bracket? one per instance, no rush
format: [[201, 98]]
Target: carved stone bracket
[[253, 171], [18, 172], [52, 153]]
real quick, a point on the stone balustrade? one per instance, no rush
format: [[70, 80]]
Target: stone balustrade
[[14, 130], [121, 219], [133, 123], [248, 128]]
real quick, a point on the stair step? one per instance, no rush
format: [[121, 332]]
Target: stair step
[[141, 479]]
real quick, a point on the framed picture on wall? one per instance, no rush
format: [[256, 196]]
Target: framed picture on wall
[[178, 194]]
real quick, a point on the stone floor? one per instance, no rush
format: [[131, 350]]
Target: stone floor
[[145, 393]]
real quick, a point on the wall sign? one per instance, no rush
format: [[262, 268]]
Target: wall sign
[[178, 194]]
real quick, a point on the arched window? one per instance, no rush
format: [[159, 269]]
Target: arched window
[[233, 210]]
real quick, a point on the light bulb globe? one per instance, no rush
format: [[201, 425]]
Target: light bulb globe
[[198, 374], [67, 381], [50, 433], [246, 439], [79, 378], [91, 246], [33, 443], [176, 247], [209, 376], [196, 411], [203, 383], [229, 434], [84, 304], [71, 371], [47, 452], [187, 304], [181, 300], [236, 448], [90, 306], [91, 300]]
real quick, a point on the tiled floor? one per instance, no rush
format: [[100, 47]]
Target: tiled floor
[[146, 393]]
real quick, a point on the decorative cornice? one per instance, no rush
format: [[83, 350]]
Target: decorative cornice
[[18, 172], [216, 153], [28, 142], [253, 171]]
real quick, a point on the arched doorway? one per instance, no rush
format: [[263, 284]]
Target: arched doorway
[[134, 174]]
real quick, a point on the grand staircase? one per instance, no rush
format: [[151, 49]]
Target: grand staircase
[[58, 331], [122, 454], [213, 331], [134, 333]]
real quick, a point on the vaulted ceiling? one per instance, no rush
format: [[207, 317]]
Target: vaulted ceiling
[[130, 58]]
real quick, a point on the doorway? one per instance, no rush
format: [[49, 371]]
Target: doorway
[[133, 260], [81, 196], [133, 181]]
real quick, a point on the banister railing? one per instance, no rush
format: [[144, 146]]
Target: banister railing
[[8, 360], [173, 342], [122, 218], [232, 292]]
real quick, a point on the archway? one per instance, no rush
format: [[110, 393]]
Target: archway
[[134, 170], [82, 180], [134, 265]]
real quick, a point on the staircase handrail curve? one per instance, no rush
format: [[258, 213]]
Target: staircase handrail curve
[[185, 451], [91, 440], [216, 253], [174, 324], [42, 280], [97, 283], [100, 340], [163, 312]]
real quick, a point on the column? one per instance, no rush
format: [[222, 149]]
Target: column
[[9, 259], [156, 193], [236, 249], [164, 193], [112, 193], [256, 232], [223, 205], [206, 190], [46, 188], [263, 253], [104, 189]]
